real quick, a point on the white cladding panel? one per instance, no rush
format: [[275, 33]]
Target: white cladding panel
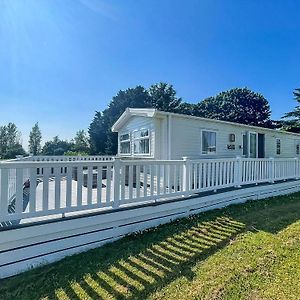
[[186, 139]]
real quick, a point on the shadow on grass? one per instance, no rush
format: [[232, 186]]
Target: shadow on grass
[[138, 265]]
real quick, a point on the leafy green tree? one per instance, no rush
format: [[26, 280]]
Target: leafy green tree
[[57, 147], [291, 120], [81, 142], [35, 138], [3, 141], [10, 141], [102, 139], [239, 105], [163, 97]]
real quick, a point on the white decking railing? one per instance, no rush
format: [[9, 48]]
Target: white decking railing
[[50, 187]]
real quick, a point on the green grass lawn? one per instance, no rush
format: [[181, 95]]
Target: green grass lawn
[[249, 251]]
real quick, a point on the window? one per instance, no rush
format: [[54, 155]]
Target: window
[[141, 141], [297, 149], [209, 141], [245, 145], [125, 143], [278, 146]]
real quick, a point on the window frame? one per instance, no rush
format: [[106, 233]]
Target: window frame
[[297, 148], [212, 131], [134, 139], [276, 152], [125, 141]]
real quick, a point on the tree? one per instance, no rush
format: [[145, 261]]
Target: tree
[[163, 97], [56, 147], [102, 139], [3, 141], [10, 141], [81, 142], [291, 120], [35, 138], [239, 105]]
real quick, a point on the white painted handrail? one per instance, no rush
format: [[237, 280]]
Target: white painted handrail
[[52, 186]]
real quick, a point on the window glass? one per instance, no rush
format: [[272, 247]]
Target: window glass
[[124, 137], [209, 142], [141, 141], [141, 147], [298, 149], [125, 143], [278, 146], [253, 145], [125, 147]]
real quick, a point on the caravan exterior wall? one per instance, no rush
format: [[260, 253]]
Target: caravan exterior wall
[[187, 139], [173, 136]]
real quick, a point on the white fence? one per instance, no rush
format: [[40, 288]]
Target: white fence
[[52, 188]]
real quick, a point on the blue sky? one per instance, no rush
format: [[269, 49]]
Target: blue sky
[[61, 60]]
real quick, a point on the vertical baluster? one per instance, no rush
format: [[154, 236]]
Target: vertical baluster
[[46, 188], [99, 184], [204, 179], [194, 167], [145, 179], [57, 172], [32, 197], [138, 181], [19, 191], [69, 187], [213, 174], [209, 174], [79, 184], [220, 173], [232, 172], [90, 185], [180, 177], [164, 179], [158, 179], [199, 175], [151, 180], [108, 184], [226, 173], [4, 192], [168, 174], [175, 178], [123, 182], [130, 182]]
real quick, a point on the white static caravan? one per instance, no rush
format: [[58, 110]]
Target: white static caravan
[[153, 134]]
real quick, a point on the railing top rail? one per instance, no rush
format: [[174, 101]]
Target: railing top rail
[[49, 164], [199, 160], [149, 162]]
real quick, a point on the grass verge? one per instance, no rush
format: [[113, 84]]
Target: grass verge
[[248, 251]]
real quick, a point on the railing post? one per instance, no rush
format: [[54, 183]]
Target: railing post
[[272, 169], [296, 168], [238, 172], [186, 175], [116, 181]]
